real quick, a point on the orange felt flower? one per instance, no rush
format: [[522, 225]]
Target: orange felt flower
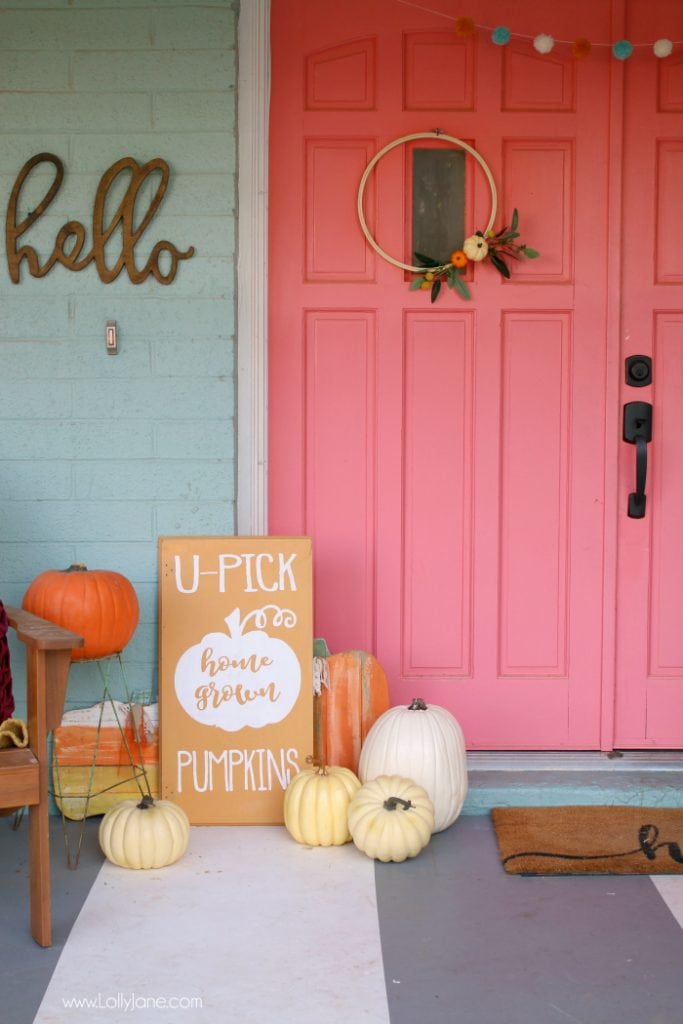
[[458, 258], [581, 47], [464, 27]]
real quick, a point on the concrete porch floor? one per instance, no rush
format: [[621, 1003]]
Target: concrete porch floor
[[257, 929]]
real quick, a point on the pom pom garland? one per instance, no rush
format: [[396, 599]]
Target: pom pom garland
[[543, 43], [464, 27], [581, 47], [663, 48], [623, 49]]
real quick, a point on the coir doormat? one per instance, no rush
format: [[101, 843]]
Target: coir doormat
[[590, 840]]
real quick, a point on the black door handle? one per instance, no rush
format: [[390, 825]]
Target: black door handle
[[636, 500], [638, 431]]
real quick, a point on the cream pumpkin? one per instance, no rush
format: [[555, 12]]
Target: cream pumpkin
[[316, 805], [424, 743], [144, 834], [475, 248], [391, 818]]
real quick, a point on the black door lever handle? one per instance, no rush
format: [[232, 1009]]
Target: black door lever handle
[[636, 500], [638, 431]]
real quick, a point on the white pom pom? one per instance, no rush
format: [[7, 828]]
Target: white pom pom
[[663, 47], [544, 43]]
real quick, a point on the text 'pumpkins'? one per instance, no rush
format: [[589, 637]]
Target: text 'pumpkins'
[[351, 692], [424, 743], [98, 604]]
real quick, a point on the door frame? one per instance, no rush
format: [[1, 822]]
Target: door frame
[[253, 103], [253, 42]]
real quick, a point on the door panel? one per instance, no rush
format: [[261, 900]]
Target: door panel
[[340, 422], [534, 506], [448, 459], [437, 427]]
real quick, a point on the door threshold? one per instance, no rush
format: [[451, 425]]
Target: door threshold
[[575, 761], [508, 778]]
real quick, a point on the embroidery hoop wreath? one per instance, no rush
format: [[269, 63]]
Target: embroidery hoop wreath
[[491, 244]]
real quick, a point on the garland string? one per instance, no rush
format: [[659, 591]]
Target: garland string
[[621, 48]]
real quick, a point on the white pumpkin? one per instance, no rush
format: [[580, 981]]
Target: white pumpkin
[[316, 805], [391, 819], [476, 248], [424, 743], [144, 834]]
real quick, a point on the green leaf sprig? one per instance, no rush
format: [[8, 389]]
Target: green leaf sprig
[[503, 244]]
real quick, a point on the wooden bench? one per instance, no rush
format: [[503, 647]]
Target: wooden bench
[[24, 773]]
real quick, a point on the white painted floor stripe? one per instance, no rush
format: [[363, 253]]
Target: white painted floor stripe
[[670, 888], [260, 929]]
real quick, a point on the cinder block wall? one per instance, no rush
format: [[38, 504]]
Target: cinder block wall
[[100, 454]]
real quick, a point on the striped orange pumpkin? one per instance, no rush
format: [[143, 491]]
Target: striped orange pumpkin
[[98, 604], [352, 694]]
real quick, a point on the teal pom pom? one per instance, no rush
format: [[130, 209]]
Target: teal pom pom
[[623, 49], [501, 35]]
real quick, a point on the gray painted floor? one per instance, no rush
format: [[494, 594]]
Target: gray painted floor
[[25, 968], [462, 942]]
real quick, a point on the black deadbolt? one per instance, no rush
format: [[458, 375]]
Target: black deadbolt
[[638, 371]]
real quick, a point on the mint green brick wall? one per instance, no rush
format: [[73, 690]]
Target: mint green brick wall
[[101, 454]]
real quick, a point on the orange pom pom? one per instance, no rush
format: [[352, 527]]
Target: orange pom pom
[[582, 47], [464, 27]]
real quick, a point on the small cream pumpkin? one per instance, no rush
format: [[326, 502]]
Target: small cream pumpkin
[[316, 805], [391, 819], [475, 248], [144, 834]]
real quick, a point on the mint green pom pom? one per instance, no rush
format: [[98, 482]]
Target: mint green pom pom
[[623, 49], [501, 35]]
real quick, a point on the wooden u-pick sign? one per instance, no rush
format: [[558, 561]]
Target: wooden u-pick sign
[[235, 686], [70, 240]]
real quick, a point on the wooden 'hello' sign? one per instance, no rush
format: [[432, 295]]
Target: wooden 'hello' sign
[[235, 681], [70, 240]]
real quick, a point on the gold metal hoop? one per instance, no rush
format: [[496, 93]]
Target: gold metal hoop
[[399, 142]]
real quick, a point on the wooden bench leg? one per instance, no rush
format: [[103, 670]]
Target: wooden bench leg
[[38, 823], [39, 867], [48, 657]]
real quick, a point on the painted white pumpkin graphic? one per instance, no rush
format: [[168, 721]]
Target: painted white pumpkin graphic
[[240, 678]]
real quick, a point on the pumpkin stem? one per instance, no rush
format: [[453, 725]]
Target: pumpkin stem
[[76, 567], [319, 765], [146, 802], [392, 802], [417, 704]]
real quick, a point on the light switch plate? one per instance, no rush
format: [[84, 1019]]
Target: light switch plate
[[111, 338]]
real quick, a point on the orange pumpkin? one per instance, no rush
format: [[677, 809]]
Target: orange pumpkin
[[352, 693], [98, 604]]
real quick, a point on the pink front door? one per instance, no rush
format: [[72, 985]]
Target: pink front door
[[456, 462]]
